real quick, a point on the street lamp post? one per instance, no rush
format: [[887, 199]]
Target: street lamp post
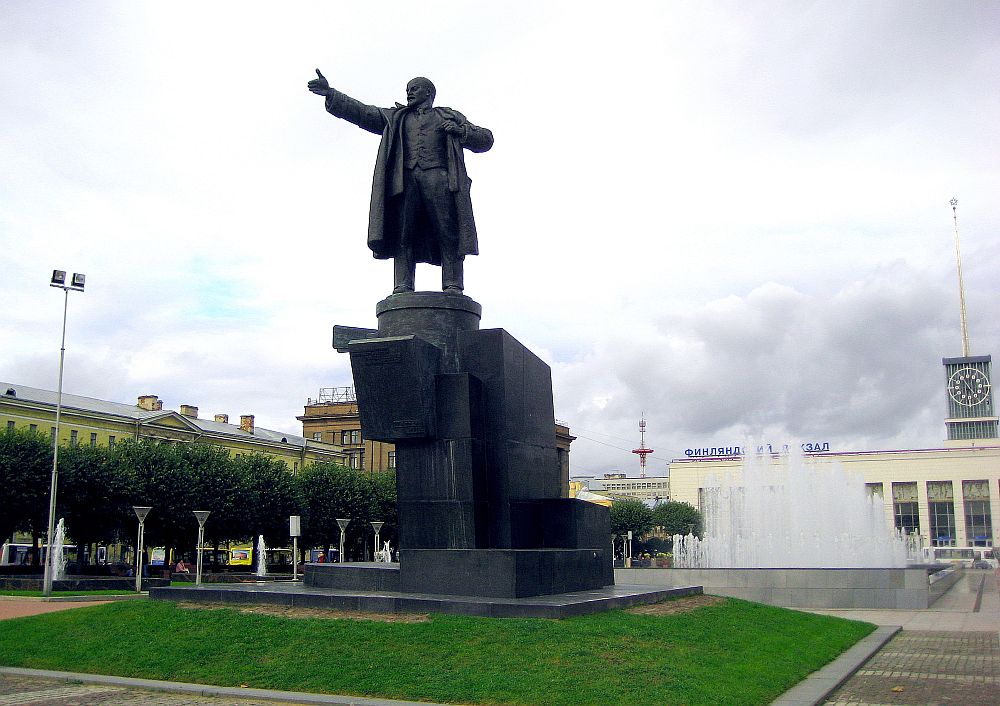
[[202, 515], [294, 529], [76, 285], [342, 523], [377, 526], [141, 513]]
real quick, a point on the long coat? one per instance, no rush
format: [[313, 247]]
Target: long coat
[[384, 217]]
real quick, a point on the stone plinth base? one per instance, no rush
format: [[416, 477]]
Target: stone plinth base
[[489, 573], [503, 573], [353, 576], [556, 606]]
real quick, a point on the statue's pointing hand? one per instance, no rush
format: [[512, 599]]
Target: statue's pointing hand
[[319, 85]]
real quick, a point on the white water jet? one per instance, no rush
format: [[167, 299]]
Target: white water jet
[[791, 512], [58, 542], [261, 556]]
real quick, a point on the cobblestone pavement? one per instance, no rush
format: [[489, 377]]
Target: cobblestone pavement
[[926, 667], [32, 691], [957, 663]]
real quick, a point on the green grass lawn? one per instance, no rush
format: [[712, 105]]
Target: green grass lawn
[[732, 653]]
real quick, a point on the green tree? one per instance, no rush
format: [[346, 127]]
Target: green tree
[[678, 518], [630, 514], [383, 489], [94, 496], [271, 495], [332, 491], [218, 488], [165, 481], [25, 476]]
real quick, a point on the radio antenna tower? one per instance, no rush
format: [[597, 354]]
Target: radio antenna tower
[[642, 450], [961, 282]]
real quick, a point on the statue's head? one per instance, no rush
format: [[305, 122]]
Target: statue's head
[[420, 90]]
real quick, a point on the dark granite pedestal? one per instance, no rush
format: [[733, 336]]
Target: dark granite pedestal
[[479, 490]]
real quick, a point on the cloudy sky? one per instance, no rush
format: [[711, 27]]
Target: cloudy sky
[[730, 218]]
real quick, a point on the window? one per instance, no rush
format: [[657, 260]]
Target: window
[[941, 508], [32, 427], [93, 439], [111, 440], [978, 520], [10, 425], [350, 436], [295, 467], [52, 433], [392, 459], [317, 436], [73, 437], [904, 507]]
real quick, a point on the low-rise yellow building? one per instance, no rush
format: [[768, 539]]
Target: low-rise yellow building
[[93, 422]]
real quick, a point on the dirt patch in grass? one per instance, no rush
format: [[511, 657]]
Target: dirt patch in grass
[[677, 605], [302, 613]]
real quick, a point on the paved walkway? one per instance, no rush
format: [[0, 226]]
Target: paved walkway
[[23, 607], [948, 654]]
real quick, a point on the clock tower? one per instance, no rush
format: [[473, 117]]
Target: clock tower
[[971, 414]]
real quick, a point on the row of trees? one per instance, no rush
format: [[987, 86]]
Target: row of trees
[[672, 517], [249, 495]]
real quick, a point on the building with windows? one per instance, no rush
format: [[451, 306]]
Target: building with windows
[[949, 496], [85, 420], [334, 417], [619, 485]]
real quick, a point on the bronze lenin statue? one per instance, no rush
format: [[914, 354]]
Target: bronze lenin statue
[[421, 209]]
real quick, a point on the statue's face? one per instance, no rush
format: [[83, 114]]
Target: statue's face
[[417, 92]]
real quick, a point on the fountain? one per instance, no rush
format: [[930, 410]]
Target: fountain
[[798, 532], [261, 557], [59, 555], [384, 555], [788, 512]]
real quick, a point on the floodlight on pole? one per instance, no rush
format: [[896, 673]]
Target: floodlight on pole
[[76, 284], [376, 525], [141, 513], [342, 523], [201, 515]]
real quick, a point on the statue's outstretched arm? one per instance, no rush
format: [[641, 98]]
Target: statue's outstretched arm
[[367, 117]]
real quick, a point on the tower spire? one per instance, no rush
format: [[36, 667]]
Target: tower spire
[[961, 282], [642, 450]]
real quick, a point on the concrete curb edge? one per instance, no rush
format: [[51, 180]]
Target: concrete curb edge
[[814, 689], [207, 690]]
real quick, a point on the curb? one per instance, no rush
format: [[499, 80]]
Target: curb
[[294, 697], [77, 599], [814, 689]]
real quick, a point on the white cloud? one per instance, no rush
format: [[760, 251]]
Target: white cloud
[[732, 219]]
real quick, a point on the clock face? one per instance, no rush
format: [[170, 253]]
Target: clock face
[[968, 386]]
